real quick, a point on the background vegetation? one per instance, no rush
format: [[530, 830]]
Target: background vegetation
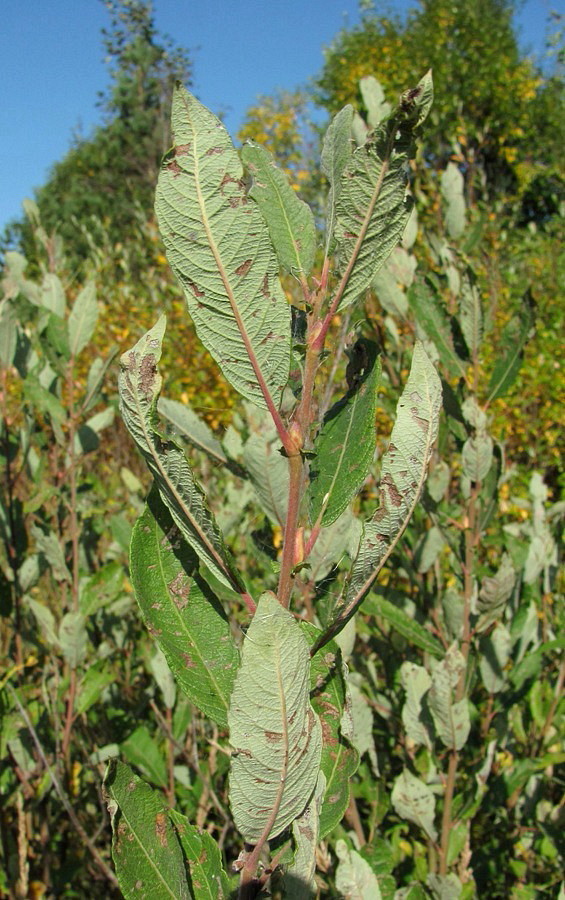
[[81, 681]]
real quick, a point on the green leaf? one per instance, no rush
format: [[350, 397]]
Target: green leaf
[[471, 313], [274, 731], [290, 221], [139, 385], [146, 851], [86, 438], [354, 876], [219, 248], [415, 633], [332, 544], [181, 613], [495, 592], [495, 653], [50, 546], [416, 683], [377, 106], [413, 800], [96, 679], [101, 588], [8, 334], [44, 401], [336, 153], [187, 424], [345, 445], [83, 318], [372, 209], [451, 718], [431, 315], [428, 549], [339, 760], [73, 638], [268, 472], [511, 351], [141, 750], [452, 185], [46, 621], [403, 474], [207, 876], [477, 456], [298, 880], [52, 295]]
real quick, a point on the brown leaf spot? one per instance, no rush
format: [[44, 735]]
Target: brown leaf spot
[[274, 737], [195, 289], [147, 372], [265, 286], [394, 494], [214, 150], [188, 661], [161, 828], [243, 269], [182, 150], [174, 167]]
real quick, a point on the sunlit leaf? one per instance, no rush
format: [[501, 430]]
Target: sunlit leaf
[[274, 731], [139, 385], [219, 248], [372, 209], [290, 221], [184, 617], [345, 446], [146, 850]]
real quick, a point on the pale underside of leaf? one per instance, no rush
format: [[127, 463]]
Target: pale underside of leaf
[[373, 208], [139, 385], [274, 731], [219, 248], [336, 153], [403, 474]]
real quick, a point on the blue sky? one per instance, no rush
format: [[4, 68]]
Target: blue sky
[[52, 68]]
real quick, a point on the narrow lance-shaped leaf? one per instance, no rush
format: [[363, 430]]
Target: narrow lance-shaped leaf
[[431, 315], [373, 208], [339, 760], [471, 313], [508, 361], [83, 318], [181, 613], [451, 717], [139, 385], [290, 221], [403, 474], [336, 153], [219, 248], [274, 731], [186, 423], [345, 446], [204, 859], [146, 851]]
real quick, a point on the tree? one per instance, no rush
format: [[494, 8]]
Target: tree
[[107, 179], [488, 89]]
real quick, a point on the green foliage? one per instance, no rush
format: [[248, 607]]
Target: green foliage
[[108, 177], [422, 745]]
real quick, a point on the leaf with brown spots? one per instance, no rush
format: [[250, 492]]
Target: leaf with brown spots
[[182, 614], [146, 850], [204, 859], [403, 475], [219, 248], [139, 384], [274, 731]]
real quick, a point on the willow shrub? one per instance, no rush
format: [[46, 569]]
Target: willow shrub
[[230, 227]]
